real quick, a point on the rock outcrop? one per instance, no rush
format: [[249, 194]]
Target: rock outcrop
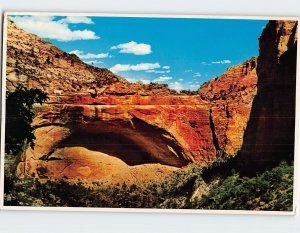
[[95, 118], [269, 137]]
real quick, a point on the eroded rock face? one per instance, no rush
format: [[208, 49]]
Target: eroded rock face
[[171, 133], [173, 130], [230, 97], [96, 119], [269, 137]]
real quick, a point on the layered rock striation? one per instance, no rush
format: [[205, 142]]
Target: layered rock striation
[[230, 98], [96, 125]]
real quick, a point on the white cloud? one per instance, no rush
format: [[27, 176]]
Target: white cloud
[[158, 71], [196, 75], [76, 19], [93, 62], [181, 79], [81, 55], [221, 62], [133, 48], [177, 86], [138, 67], [47, 27], [162, 79], [166, 67]]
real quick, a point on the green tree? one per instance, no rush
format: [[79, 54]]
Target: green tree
[[19, 115]]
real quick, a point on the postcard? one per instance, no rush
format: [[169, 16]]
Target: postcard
[[162, 113]]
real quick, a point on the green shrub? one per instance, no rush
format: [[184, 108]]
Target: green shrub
[[270, 190]]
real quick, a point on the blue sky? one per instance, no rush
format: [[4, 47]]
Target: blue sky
[[181, 52]]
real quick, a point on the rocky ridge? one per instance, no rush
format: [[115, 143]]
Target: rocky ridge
[[34, 62]]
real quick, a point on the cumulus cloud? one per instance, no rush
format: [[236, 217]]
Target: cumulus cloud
[[181, 79], [158, 71], [76, 19], [138, 67], [150, 71], [82, 55], [177, 86], [166, 67], [162, 79], [133, 48], [221, 62], [48, 27]]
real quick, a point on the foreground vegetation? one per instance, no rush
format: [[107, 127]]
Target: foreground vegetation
[[270, 190]]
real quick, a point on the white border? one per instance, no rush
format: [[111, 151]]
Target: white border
[[145, 210], [3, 107], [149, 15], [296, 188]]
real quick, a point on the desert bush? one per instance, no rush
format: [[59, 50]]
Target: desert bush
[[189, 92], [154, 85], [271, 190]]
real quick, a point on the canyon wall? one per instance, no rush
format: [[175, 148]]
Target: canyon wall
[[97, 125], [270, 133], [230, 98]]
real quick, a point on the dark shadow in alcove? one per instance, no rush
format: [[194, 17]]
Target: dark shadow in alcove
[[113, 144], [135, 142]]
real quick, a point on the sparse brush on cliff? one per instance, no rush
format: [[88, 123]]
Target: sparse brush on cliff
[[154, 85], [189, 92]]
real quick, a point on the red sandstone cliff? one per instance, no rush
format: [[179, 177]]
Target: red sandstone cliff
[[269, 137], [99, 122], [230, 98]]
